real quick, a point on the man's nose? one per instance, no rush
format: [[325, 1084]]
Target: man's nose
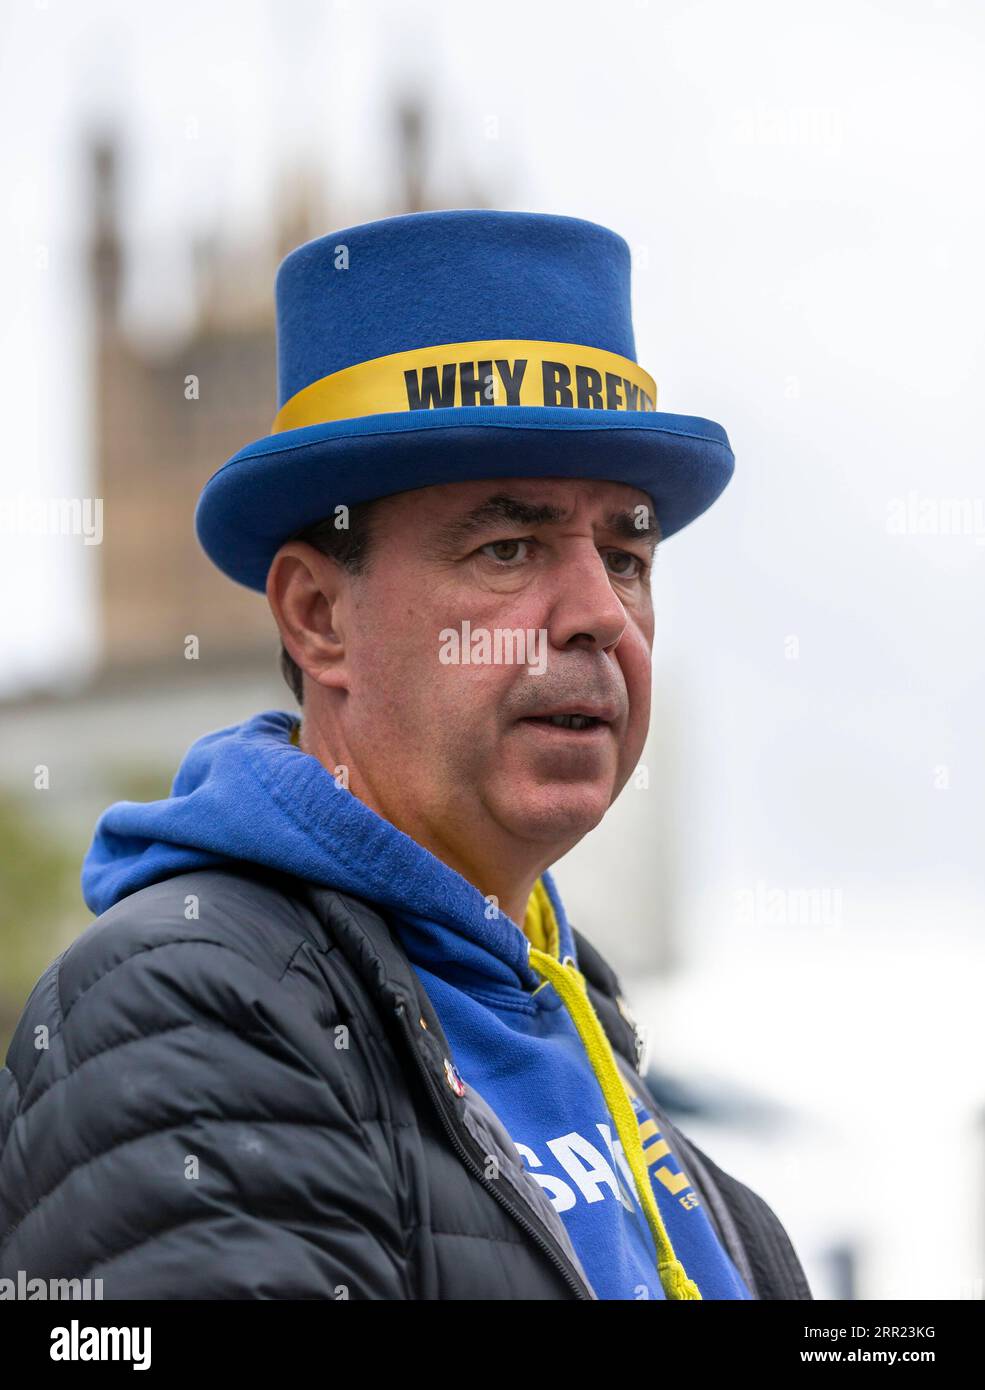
[[586, 610]]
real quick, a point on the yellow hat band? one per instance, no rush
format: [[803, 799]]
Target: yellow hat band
[[505, 371]]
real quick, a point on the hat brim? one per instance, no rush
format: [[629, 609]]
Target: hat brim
[[276, 486]]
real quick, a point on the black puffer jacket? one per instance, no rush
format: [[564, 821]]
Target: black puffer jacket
[[256, 1102]]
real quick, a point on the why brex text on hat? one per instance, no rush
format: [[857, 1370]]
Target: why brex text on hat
[[475, 383]]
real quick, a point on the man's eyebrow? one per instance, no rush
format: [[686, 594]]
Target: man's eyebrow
[[504, 509], [500, 508], [626, 524]]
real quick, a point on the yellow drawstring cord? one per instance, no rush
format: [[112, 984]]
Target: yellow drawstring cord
[[569, 982]]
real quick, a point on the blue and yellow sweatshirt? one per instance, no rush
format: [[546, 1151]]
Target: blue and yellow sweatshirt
[[510, 998]]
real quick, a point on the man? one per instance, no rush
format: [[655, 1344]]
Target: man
[[332, 1034]]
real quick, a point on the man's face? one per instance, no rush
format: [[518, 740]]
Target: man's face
[[450, 749]]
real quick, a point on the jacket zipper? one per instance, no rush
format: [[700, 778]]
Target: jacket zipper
[[557, 1259]]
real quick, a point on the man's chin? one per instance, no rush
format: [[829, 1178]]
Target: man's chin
[[555, 815]]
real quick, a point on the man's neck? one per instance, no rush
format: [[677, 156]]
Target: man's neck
[[506, 888]]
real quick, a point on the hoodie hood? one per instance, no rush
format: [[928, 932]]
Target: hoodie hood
[[247, 792]]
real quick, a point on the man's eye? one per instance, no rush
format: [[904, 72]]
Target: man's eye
[[636, 568], [495, 549]]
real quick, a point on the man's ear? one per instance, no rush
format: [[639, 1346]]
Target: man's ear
[[304, 588]]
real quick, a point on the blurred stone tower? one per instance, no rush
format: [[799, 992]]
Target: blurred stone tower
[[164, 422], [162, 425]]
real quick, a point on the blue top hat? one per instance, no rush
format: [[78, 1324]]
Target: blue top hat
[[439, 347]]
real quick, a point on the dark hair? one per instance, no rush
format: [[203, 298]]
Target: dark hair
[[349, 546]]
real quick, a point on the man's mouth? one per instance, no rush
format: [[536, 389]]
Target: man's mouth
[[588, 721], [565, 721]]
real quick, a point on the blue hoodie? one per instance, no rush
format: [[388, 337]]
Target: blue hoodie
[[531, 1045]]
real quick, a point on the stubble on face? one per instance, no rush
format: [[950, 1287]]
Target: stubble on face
[[439, 749]]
